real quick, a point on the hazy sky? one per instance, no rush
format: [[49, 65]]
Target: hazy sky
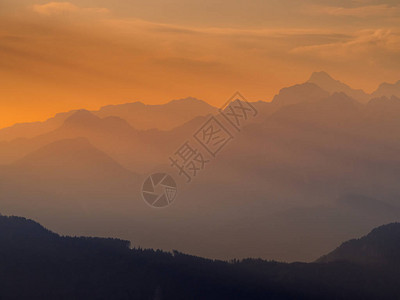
[[57, 56]]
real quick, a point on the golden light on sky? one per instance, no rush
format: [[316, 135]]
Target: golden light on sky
[[57, 56]]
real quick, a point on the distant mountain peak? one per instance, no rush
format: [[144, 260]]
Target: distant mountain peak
[[327, 82], [331, 85], [82, 117], [321, 75], [187, 100]]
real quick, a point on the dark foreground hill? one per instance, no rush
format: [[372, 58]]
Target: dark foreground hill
[[380, 247], [38, 264]]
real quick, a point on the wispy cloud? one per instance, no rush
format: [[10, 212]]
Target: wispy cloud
[[57, 8], [368, 49], [382, 10]]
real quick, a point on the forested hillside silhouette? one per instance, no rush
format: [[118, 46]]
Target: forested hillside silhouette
[[36, 263]]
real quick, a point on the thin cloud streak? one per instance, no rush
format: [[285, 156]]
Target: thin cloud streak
[[382, 10], [57, 8]]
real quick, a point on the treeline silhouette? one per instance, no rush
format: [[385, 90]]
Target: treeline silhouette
[[36, 263]]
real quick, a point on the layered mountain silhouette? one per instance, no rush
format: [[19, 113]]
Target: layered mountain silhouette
[[137, 150], [174, 113], [37, 263], [140, 116], [292, 173]]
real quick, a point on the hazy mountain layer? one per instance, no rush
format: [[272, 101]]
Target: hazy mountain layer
[[140, 116], [306, 174]]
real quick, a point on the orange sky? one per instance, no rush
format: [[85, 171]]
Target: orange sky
[[57, 56]]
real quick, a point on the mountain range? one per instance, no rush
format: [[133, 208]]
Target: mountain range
[[137, 114], [316, 167], [176, 112]]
